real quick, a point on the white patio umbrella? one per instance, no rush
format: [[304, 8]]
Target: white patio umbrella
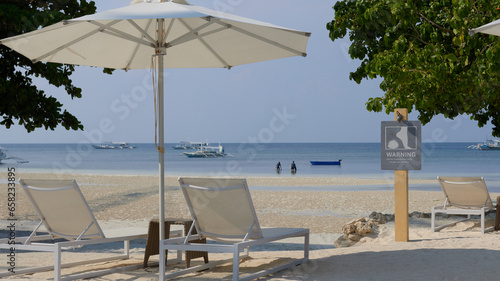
[[492, 28], [173, 33]]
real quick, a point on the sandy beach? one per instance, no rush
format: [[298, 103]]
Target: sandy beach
[[129, 200]]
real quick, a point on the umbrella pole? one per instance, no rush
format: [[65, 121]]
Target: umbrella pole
[[161, 52]]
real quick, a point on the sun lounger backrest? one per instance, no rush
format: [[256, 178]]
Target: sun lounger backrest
[[466, 192], [62, 208], [221, 208]]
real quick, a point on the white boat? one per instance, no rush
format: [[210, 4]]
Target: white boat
[[487, 145], [190, 145], [182, 145], [3, 154], [206, 152], [113, 145]]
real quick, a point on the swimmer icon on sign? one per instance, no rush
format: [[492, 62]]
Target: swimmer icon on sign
[[401, 145]]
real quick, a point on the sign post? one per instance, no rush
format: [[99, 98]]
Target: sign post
[[401, 151]]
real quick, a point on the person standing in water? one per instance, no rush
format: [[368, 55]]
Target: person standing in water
[[293, 167]]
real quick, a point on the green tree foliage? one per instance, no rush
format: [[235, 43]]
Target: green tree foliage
[[425, 56], [21, 101]]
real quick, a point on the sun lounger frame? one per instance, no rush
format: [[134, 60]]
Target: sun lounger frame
[[254, 236], [451, 207], [41, 243]]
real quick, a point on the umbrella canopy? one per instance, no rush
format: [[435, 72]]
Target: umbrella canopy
[[126, 38], [492, 28], [171, 34]]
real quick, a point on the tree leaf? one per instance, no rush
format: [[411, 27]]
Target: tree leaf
[[424, 55]]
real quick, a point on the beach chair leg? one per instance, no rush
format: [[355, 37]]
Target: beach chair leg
[[306, 247], [179, 256], [161, 270], [482, 220], [497, 215], [236, 263], [126, 248], [57, 262], [433, 223]]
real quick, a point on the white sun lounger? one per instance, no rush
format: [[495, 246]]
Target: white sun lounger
[[67, 217], [223, 211], [463, 196]]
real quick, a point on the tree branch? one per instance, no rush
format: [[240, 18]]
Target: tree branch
[[433, 23], [487, 47], [417, 37]]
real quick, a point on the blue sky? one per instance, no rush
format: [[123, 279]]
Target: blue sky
[[244, 104]]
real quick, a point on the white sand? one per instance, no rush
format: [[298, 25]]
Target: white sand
[[455, 253]]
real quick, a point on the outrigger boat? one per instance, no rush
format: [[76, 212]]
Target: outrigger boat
[[112, 145], [3, 155], [487, 145], [207, 151], [326, 162], [190, 145]]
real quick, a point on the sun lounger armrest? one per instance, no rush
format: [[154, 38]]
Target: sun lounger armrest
[[181, 240]]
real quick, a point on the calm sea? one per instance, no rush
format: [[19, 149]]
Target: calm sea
[[358, 159]]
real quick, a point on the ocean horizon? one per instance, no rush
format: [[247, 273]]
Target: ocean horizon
[[359, 160]]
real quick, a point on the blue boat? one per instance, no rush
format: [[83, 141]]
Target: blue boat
[[325, 162]]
